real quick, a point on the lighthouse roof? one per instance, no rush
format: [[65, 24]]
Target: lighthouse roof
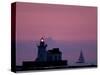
[[54, 51]]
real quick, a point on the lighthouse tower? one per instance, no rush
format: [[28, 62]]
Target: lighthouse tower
[[42, 53]]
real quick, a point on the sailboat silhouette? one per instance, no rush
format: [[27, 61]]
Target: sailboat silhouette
[[81, 58]]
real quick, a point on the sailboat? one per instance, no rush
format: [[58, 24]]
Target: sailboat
[[81, 58]]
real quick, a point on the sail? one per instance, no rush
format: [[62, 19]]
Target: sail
[[81, 58]]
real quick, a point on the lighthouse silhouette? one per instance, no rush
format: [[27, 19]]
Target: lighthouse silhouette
[[47, 55], [42, 53]]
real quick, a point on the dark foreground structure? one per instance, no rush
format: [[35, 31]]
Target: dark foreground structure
[[27, 68], [43, 65]]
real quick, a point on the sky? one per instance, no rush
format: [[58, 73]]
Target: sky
[[65, 26]]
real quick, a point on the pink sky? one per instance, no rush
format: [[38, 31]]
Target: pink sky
[[61, 22]]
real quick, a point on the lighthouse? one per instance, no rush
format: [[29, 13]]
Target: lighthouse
[[42, 53]]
